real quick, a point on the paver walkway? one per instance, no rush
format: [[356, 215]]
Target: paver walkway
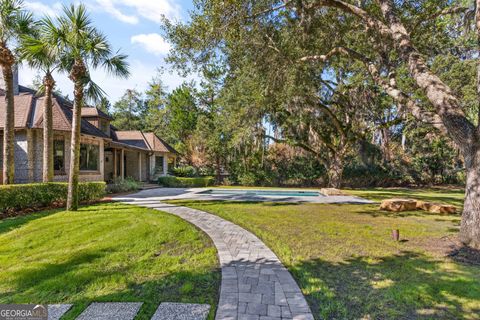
[[255, 284]]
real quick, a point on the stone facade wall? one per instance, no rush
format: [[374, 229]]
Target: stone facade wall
[[21, 157], [62, 177], [134, 159]]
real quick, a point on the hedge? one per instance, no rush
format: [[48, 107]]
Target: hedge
[[178, 182], [34, 195]]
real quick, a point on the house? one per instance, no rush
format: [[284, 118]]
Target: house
[[105, 152]]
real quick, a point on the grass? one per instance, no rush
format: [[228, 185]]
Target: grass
[[452, 196], [349, 268], [108, 252]]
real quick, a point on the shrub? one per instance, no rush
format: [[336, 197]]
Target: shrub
[[34, 195], [179, 182], [247, 179], [187, 171], [123, 185]]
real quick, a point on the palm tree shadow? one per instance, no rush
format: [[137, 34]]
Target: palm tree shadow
[[53, 283], [408, 285]]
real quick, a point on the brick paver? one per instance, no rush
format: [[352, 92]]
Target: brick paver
[[255, 284]]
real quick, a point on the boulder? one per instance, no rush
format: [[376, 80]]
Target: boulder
[[398, 205], [332, 192], [437, 208]]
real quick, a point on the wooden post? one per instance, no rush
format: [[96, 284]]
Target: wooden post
[[165, 164], [122, 164], [114, 151], [139, 166], [31, 155]]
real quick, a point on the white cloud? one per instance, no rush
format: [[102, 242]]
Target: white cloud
[[41, 9], [141, 75], [149, 9], [152, 42], [111, 8], [154, 9]]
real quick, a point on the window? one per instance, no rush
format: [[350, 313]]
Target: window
[[159, 164], [89, 157], [59, 155]]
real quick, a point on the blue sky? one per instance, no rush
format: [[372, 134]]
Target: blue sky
[[132, 26]]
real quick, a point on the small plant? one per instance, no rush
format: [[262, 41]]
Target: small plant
[[123, 185]]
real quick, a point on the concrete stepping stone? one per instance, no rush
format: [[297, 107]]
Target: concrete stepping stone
[[111, 311], [56, 311], [181, 311]]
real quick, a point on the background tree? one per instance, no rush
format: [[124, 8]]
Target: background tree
[[129, 111], [83, 47], [393, 40], [14, 22]]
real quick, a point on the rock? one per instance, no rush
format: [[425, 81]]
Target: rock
[[398, 205], [442, 208], [437, 208], [332, 192]]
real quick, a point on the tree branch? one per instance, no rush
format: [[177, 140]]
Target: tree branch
[[390, 87], [446, 11]]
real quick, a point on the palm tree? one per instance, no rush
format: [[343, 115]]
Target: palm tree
[[14, 21], [41, 51], [83, 47]]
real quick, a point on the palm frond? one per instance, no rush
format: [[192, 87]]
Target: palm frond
[[93, 92], [117, 65]]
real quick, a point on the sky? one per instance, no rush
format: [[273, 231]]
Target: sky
[[133, 26]]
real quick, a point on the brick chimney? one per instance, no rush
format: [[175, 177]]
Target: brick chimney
[[15, 80]]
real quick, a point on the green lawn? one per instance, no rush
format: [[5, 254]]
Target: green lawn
[[109, 252], [348, 266]]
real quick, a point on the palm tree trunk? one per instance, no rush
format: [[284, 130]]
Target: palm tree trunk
[[77, 74], [9, 127], [49, 83]]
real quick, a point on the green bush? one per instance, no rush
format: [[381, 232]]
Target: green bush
[[34, 195], [187, 171], [123, 185], [178, 182]]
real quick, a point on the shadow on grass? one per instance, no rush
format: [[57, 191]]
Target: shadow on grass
[[404, 286], [194, 203], [433, 195], [71, 281], [9, 224]]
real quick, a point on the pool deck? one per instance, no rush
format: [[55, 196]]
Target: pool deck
[[160, 194]]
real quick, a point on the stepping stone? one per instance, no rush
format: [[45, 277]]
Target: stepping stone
[[111, 311], [181, 311], [56, 311]]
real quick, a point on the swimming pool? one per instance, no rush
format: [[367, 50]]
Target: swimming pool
[[271, 193]]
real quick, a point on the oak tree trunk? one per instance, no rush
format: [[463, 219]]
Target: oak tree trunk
[[335, 171], [459, 128], [470, 226], [77, 74], [49, 83], [9, 127]]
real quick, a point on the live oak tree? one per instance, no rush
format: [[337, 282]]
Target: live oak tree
[[83, 48], [14, 22], [385, 36]]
